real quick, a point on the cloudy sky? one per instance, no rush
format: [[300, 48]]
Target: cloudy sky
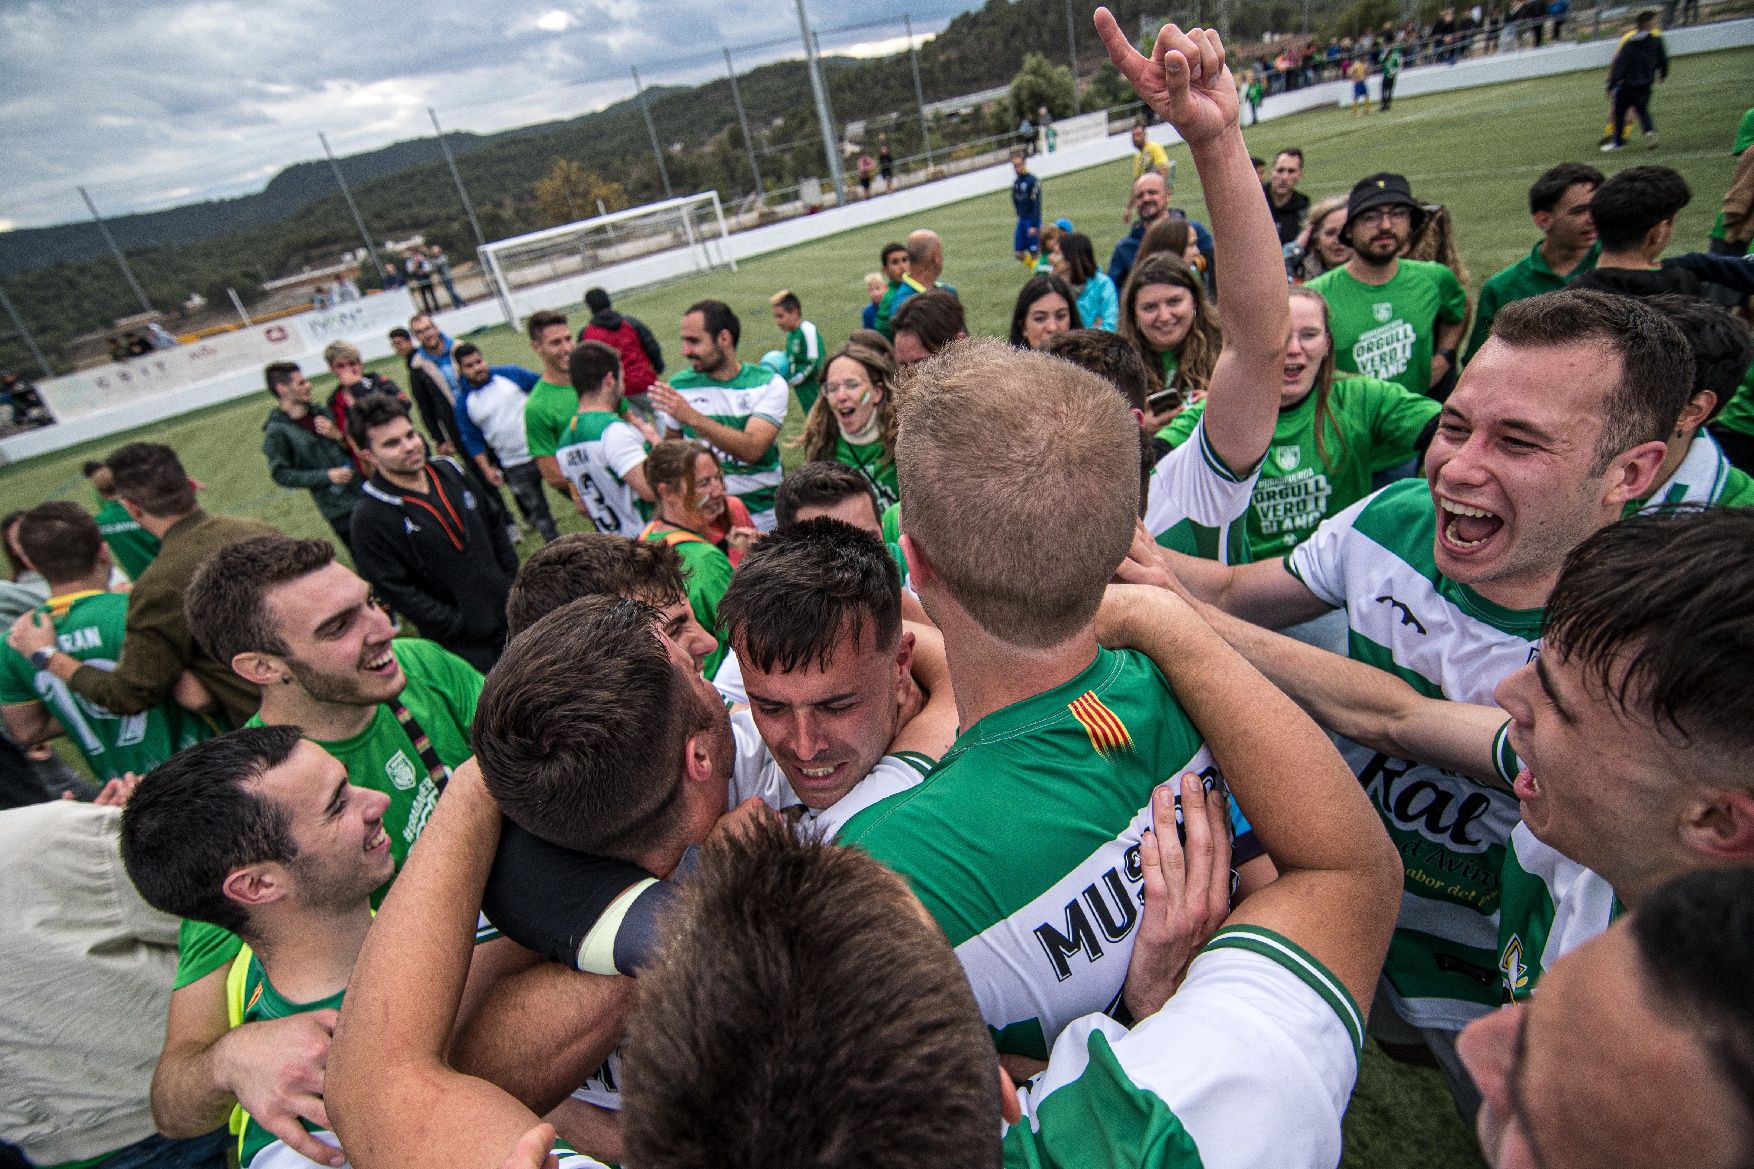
[[151, 103]]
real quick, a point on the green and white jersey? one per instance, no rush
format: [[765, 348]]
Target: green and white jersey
[[441, 694], [804, 358], [873, 461], [1551, 906], [1250, 1063], [706, 574], [755, 392], [755, 772], [89, 627], [546, 412], [1024, 842], [1445, 640], [1703, 479], [1389, 331], [595, 453], [1371, 426], [1193, 500]]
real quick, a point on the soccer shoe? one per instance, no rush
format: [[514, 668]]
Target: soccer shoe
[[1610, 147], [1650, 140]]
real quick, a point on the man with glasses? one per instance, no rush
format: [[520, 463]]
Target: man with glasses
[[1394, 319]]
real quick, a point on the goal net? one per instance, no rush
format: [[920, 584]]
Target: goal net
[[622, 250]]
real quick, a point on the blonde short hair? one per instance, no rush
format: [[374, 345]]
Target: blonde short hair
[[339, 351], [1019, 485]]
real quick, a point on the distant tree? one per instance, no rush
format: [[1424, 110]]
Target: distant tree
[[570, 192], [1039, 84]]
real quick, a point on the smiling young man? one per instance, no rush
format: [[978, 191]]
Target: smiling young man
[[300, 628], [260, 833], [1394, 319], [1553, 428], [1559, 203]]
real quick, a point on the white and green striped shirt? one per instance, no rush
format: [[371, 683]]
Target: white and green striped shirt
[[1445, 640], [1250, 1063], [1195, 504], [755, 392], [1703, 479]]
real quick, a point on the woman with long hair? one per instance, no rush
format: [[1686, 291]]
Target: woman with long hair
[[1165, 313], [1331, 437], [854, 420], [1319, 245], [708, 529], [1045, 305], [1099, 302]]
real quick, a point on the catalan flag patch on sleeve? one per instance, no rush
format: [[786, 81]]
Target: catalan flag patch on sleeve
[[1108, 734]]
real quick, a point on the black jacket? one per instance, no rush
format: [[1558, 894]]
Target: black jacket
[[439, 560], [1641, 60]]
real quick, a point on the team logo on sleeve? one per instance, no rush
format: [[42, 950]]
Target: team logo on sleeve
[[1108, 734], [1516, 975]]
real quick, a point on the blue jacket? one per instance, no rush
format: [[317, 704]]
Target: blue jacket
[[1026, 196], [1121, 262], [473, 442]]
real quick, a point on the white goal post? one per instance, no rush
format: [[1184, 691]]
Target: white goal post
[[622, 250]]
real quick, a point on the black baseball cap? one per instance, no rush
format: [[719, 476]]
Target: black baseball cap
[[1381, 190]]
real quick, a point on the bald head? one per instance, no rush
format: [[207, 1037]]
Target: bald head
[[1150, 196], [925, 256]]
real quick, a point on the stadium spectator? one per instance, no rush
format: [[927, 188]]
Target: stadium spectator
[[1320, 245], [1148, 158], [867, 171], [434, 395], [1098, 301], [304, 449], [89, 623], [1289, 205], [855, 421], [423, 540], [886, 164], [893, 259], [1166, 313], [157, 645], [1026, 203], [1045, 305], [803, 347], [76, 933], [352, 382], [736, 407], [392, 277], [1640, 63], [642, 358], [926, 324], [1392, 319], [701, 522], [603, 456], [1331, 435], [419, 273], [1591, 379], [490, 418], [131, 546], [1559, 203], [299, 629], [875, 287], [1151, 194], [441, 268]]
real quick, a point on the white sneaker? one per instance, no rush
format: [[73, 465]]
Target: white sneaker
[[1610, 147], [1650, 140]]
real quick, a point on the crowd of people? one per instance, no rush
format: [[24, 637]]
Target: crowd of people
[[1097, 739]]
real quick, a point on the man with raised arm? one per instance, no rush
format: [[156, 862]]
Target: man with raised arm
[[1554, 427]]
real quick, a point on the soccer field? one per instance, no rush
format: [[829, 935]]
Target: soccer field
[[1475, 150]]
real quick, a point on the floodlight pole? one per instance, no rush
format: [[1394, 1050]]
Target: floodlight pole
[[30, 342], [358, 219], [743, 120], [457, 177], [663, 171], [824, 118], [1072, 48], [913, 58], [121, 260]]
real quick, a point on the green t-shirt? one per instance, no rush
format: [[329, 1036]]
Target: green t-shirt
[[890, 521], [1387, 331], [546, 412], [441, 694], [706, 574], [1744, 139], [886, 309], [89, 627], [1023, 841], [132, 545], [754, 392], [1738, 414], [874, 463], [263, 1002], [804, 357], [1529, 276], [1371, 426]]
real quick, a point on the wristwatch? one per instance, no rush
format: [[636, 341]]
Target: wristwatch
[[39, 658]]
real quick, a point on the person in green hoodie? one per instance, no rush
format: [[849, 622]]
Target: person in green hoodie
[[303, 448]]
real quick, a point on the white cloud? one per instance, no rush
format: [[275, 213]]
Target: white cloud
[[555, 20]]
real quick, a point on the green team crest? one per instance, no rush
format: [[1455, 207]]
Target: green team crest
[[1286, 458], [400, 769], [1510, 964], [1382, 312]]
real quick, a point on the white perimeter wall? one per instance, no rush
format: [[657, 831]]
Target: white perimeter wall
[[911, 201]]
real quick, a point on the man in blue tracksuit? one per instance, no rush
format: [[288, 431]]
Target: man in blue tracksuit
[[1026, 201]]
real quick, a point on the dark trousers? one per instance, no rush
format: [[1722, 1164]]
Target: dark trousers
[[427, 297], [1632, 99], [1738, 447], [527, 488], [1388, 92]]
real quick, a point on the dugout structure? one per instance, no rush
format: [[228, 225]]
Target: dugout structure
[[641, 246]]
